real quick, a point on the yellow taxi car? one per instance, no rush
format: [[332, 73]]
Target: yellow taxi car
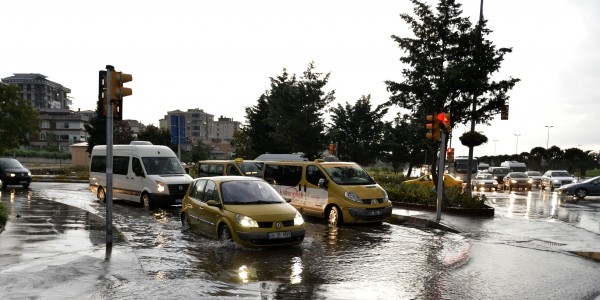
[[427, 180], [246, 210]]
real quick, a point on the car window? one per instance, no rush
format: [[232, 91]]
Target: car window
[[249, 192], [518, 175], [210, 191], [197, 190], [561, 174]]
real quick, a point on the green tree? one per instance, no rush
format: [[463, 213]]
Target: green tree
[[242, 146], [289, 117], [449, 66], [18, 119], [403, 143], [255, 136], [358, 130], [155, 135]]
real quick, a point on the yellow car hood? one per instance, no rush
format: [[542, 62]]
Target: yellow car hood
[[266, 212]]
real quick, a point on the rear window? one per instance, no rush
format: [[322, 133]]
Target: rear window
[[500, 171]]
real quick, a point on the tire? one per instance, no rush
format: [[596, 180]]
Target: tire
[[224, 233], [335, 216], [581, 193], [509, 188], [185, 223], [146, 201], [552, 188], [101, 195]]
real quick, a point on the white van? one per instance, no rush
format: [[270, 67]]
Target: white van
[[142, 172]]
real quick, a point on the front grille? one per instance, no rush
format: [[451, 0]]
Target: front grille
[[368, 201], [286, 223], [178, 190]]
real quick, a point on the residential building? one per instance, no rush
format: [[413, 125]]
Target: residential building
[[42, 92], [59, 127]]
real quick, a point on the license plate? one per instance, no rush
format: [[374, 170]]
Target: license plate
[[373, 213], [279, 235]]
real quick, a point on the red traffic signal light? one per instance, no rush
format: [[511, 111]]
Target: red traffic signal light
[[444, 120], [450, 155]]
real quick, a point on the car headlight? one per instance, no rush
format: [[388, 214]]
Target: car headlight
[[385, 197], [555, 180], [513, 181], [353, 196], [12, 174], [246, 221], [298, 220], [160, 186], [530, 180]]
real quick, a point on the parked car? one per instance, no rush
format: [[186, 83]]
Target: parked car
[[243, 209], [588, 187], [484, 181], [12, 172], [536, 176], [555, 178], [518, 180], [427, 180]]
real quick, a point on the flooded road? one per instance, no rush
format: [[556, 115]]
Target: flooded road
[[155, 259]]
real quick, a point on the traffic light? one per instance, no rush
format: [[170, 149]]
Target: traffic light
[[450, 155], [444, 119], [433, 128], [117, 92]]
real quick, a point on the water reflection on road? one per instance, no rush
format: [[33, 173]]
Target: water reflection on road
[[359, 262]]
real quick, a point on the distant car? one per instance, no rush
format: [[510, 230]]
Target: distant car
[[499, 173], [12, 172], [518, 180], [484, 181], [588, 187], [427, 180], [246, 210], [536, 176], [555, 178]]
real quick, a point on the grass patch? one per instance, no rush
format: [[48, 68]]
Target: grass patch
[[3, 215]]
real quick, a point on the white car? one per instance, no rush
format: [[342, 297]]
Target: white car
[[484, 181], [556, 178]]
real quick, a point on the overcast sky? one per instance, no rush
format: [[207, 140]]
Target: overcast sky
[[219, 55]]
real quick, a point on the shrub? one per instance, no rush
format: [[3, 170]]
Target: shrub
[[3, 214]]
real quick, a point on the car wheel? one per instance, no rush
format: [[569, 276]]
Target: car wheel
[[101, 195], [224, 233], [552, 188], [185, 222], [335, 216], [146, 201], [509, 188], [581, 193]]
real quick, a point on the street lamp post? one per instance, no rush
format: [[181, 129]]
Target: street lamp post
[[548, 138], [495, 147], [517, 145]]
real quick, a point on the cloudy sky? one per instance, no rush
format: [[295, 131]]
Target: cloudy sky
[[219, 55]]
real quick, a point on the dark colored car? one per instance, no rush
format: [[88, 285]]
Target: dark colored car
[[589, 187], [517, 180], [499, 173], [12, 172], [536, 176]]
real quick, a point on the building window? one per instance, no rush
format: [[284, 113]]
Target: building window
[[45, 125]]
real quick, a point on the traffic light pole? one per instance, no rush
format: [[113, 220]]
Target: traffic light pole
[[109, 157], [441, 164]]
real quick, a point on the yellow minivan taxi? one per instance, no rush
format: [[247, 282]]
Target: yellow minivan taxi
[[243, 209], [341, 192]]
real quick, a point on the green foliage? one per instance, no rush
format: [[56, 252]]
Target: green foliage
[[18, 118], [155, 135], [289, 117], [358, 130], [473, 139], [3, 214], [36, 153], [420, 194]]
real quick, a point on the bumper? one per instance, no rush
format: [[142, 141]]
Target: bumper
[[16, 180], [487, 185], [262, 238], [165, 198], [366, 215]]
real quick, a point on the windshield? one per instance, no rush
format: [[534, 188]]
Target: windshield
[[10, 163], [255, 169], [162, 165], [534, 173], [560, 174], [484, 176], [518, 175], [460, 165], [349, 175], [249, 192], [500, 171]]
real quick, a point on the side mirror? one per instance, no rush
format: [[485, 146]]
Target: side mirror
[[322, 183]]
